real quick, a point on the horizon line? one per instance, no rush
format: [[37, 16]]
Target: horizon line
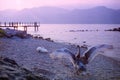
[[60, 7]]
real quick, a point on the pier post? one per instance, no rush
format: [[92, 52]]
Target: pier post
[[25, 28], [5, 24], [12, 25], [9, 24], [17, 25], [35, 26]]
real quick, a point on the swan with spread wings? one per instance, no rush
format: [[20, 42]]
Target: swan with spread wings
[[81, 58]]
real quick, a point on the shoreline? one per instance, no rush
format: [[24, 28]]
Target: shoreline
[[23, 51]]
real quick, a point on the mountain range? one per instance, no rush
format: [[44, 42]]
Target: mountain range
[[55, 15]]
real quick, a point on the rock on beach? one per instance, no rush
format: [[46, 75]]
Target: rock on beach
[[9, 33], [10, 70]]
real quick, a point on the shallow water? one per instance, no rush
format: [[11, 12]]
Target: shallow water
[[71, 33]]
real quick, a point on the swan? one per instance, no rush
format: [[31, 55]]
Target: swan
[[80, 61]]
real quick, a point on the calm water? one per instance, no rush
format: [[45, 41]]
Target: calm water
[[62, 33]]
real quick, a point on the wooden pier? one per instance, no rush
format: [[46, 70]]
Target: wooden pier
[[25, 25]]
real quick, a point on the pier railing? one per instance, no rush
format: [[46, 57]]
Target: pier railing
[[25, 25]]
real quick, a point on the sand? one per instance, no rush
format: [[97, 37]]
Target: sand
[[23, 51]]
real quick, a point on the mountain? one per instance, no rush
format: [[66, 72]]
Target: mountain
[[96, 15]]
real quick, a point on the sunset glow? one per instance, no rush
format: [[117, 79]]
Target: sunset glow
[[21, 4], [18, 4]]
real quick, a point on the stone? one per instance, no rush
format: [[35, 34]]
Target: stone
[[9, 33], [114, 29], [49, 39], [15, 72], [2, 33], [10, 61]]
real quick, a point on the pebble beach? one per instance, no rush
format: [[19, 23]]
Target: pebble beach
[[23, 51]]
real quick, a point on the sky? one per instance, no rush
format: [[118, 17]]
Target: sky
[[68, 4]]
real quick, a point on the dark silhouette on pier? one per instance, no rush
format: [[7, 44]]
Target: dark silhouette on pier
[[15, 25]]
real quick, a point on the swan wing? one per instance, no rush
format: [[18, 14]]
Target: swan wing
[[94, 51], [61, 53]]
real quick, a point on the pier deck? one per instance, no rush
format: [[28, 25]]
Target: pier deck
[[15, 25]]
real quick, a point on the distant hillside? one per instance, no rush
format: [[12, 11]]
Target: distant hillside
[[97, 15]]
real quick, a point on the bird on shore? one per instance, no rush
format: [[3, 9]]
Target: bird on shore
[[80, 61], [41, 49]]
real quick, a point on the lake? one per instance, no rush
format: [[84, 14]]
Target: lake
[[93, 34], [71, 33]]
